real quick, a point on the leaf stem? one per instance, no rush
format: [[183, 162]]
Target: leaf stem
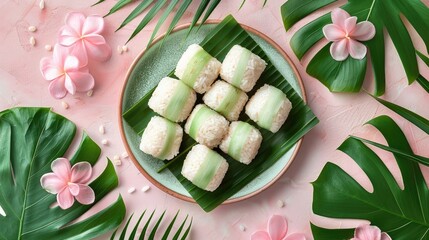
[[370, 10]]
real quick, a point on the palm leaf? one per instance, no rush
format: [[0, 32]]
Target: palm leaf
[[420, 79], [274, 145], [402, 213], [31, 138], [154, 232], [207, 6], [384, 15]]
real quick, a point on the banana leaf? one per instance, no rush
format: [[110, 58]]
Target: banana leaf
[[384, 14], [402, 213], [274, 146], [31, 138]]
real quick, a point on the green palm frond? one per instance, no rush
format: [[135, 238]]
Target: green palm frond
[[165, 8], [142, 235]]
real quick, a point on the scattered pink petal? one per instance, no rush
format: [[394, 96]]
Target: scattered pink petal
[[368, 232], [277, 227], [69, 182], [346, 34], [296, 236]]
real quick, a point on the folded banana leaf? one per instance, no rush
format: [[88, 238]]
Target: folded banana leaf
[[301, 119]]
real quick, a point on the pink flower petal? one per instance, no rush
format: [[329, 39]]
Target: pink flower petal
[[57, 89], [367, 232], [339, 50], [350, 24], [260, 235], [356, 49], [385, 236], [79, 50], [51, 183], [75, 20], [71, 63], [86, 195], [68, 36], [363, 31], [93, 24], [60, 54], [81, 172], [339, 16], [95, 39], [100, 53], [82, 81], [277, 227], [74, 189], [69, 85], [333, 32], [65, 199], [296, 236], [49, 69], [61, 167]]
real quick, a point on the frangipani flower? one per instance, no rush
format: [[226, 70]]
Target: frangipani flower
[[277, 230], [346, 35], [82, 35], [69, 182], [66, 73], [367, 232]]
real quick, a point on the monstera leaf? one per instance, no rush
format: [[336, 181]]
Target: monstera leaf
[[386, 15], [31, 138], [402, 213]]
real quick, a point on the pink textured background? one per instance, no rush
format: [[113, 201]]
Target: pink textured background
[[340, 115]]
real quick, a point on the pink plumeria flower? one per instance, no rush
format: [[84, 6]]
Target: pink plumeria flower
[[69, 182], [347, 36], [83, 35], [277, 230], [367, 232], [66, 73]]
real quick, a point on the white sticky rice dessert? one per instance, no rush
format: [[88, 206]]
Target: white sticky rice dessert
[[161, 138], [242, 142], [226, 100], [172, 99], [206, 126], [242, 68], [204, 167], [269, 108], [197, 69]]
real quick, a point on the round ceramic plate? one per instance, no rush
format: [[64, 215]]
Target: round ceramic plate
[[155, 63]]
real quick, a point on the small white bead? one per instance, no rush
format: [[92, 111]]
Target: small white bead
[[280, 203], [104, 142], [117, 162], [124, 155], [124, 48], [32, 28], [48, 47], [145, 188], [42, 4], [89, 93], [65, 105], [116, 157], [119, 49], [131, 190], [32, 41], [101, 129], [242, 228]]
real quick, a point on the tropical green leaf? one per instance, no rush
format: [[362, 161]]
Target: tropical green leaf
[[274, 146], [31, 138], [383, 14], [154, 234], [420, 79], [207, 6], [402, 213]]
